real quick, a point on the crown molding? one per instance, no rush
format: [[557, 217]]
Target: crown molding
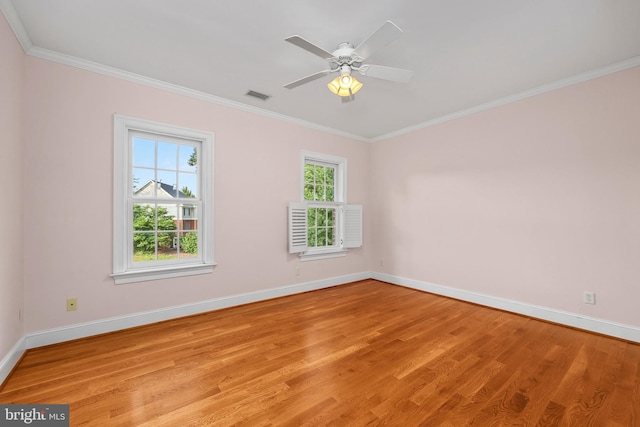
[[559, 84], [21, 34], [95, 67], [15, 23]]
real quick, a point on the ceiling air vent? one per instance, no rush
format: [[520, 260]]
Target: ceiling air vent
[[258, 95]]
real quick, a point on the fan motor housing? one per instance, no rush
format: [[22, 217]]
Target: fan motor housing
[[346, 54]]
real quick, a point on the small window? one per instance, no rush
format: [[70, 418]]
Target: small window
[[319, 191], [163, 193], [322, 225]]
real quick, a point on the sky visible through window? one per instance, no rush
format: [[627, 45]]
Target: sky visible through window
[[165, 162], [164, 231]]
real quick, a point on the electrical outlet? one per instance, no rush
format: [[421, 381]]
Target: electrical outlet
[[72, 304], [589, 297], [297, 271], [381, 263]]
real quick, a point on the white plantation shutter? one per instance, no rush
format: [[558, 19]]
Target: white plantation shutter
[[297, 227], [352, 232]]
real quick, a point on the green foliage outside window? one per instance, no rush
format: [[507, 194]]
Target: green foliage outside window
[[189, 243], [187, 192], [321, 227], [144, 219], [319, 183]]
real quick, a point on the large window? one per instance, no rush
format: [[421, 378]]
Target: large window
[[322, 224], [162, 200]]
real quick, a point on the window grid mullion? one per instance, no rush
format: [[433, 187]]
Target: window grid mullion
[[158, 202]]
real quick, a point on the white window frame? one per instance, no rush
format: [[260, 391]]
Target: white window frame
[[348, 217], [123, 271]]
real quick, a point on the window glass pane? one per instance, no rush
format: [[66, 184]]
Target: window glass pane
[[167, 247], [188, 183], [322, 237], [144, 236], [187, 236], [319, 183], [319, 175], [322, 217], [188, 245], [311, 237], [321, 229], [166, 184], [144, 217], [187, 158], [144, 246], [166, 224], [187, 214], [167, 155], [329, 194], [308, 174], [155, 236], [331, 236], [330, 176], [311, 217], [308, 192], [142, 185], [166, 216], [144, 152]]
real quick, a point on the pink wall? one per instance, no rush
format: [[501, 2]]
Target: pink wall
[[535, 201], [11, 256], [69, 192]]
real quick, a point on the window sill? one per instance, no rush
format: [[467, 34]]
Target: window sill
[[306, 256], [164, 273]]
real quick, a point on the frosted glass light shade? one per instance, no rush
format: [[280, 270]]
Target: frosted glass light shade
[[344, 85]]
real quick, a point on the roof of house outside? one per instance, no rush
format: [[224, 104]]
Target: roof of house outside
[[170, 189]]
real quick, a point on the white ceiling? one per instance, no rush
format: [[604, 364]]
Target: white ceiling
[[466, 54]]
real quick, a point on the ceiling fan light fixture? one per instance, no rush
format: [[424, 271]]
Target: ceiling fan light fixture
[[345, 59], [345, 85]]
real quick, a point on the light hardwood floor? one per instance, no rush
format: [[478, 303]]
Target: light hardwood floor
[[366, 353]]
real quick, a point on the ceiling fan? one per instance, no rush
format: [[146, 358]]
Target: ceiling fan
[[347, 58]]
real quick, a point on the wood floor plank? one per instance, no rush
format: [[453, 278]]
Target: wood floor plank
[[365, 353]]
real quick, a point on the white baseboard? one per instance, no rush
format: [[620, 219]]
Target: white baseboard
[[618, 330], [12, 357], [82, 330]]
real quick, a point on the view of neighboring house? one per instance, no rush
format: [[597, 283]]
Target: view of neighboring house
[[183, 214]]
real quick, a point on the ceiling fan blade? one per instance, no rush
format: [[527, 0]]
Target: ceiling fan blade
[[379, 39], [386, 73], [307, 79], [309, 47]]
